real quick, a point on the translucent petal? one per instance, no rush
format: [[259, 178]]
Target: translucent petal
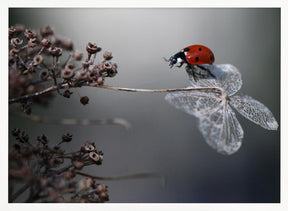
[[254, 111], [194, 103], [227, 77], [217, 121], [222, 130]]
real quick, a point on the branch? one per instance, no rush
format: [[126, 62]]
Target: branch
[[125, 177], [53, 88], [26, 97], [216, 89]]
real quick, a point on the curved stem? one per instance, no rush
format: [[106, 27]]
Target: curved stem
[[52, 88], [217, 89], [124, 177]]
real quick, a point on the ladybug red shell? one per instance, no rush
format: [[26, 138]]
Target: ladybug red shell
[[193, 55], [198, 54]]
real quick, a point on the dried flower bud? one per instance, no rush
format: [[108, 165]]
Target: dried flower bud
[[77, 55], [81, 75], [70, 66], [96, 157], [67, 44], [44, 74], [28, 34], [103, 196], [42, 139], [107, 55], [101, 188], [78, 164], [91, 76], [88, 147], [84, 100], [11, 31], [25, 137], [91, 48], [19, 28], [112, 72], [13, 52], [67, 93], [54, 51], [32, 43], [100, 80], [107, 66], [67, 73], [16, 41], [110, 69], [85, 184], [46, 43], [104, 68], [66, 137], [16, 132], [38, 59], [46, 31]]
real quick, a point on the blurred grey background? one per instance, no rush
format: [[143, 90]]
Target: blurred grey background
[[162, 139]]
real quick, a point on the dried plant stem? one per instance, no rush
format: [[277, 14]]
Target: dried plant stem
[[19, 192], [53, 71], [84, 122], [131, 176], [55, 87], [216, 89], [26, 97]]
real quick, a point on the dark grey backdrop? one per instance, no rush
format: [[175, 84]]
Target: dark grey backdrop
[[163, 139]]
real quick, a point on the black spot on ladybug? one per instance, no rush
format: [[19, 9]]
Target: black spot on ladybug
[[211, 57], [197, 59], [186, 49], [200, 49]]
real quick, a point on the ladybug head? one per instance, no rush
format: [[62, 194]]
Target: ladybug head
[[177, 58], [172, 60]]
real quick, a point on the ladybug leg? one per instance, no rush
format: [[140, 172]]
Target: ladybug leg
[[198, 72], [205, 73], [190, 69], [180, 65]]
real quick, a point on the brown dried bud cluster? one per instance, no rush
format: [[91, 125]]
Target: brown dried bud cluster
[[38, 45], [42, 167]]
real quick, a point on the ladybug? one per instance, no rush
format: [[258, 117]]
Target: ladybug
[[193, 56]]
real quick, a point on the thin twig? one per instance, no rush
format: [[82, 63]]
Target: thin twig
[[52, 88], [71, 121], [53, 71], [26, 97], [217, 89], [125, 177], [19, 192]]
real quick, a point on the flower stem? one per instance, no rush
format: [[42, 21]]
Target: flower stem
[[52, 88], [217, 89]]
